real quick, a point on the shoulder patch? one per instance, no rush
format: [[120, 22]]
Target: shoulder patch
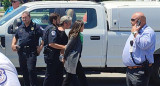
[[53, 33], [3, 76]]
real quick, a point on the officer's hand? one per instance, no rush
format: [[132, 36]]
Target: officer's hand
[[14, 47], [38, 50], [63, 60], [62, 51]]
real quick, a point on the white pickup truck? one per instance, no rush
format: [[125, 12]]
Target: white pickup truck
[[107, 27]]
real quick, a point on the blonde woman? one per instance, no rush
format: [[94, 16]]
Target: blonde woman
[[72, 55]]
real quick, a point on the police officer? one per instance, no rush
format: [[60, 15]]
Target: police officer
[[28, 35], [8, 73], [52, 47]]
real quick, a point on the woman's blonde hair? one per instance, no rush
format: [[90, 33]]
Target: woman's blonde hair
[[78, 24]]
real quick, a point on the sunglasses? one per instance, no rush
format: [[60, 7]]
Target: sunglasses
[[14, 1], [133, 19]]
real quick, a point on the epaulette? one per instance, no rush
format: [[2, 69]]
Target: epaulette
[[53, 28]]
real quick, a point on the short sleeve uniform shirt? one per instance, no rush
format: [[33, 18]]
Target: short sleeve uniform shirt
[[29, 36]]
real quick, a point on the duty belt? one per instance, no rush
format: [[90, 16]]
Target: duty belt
[[28, 48], [134, 67]]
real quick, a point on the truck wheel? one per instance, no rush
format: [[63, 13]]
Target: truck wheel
[[155, 78]]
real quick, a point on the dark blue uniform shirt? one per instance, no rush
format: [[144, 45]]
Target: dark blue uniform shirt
[[29, 36], [50, 35]]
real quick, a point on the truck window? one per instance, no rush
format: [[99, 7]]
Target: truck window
[[88, 15], [41, 16], [12, 14]]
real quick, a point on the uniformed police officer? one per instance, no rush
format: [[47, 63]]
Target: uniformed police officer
[[28, 35], [52, 47]]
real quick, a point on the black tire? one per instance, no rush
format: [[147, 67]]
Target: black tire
[[155, 78]]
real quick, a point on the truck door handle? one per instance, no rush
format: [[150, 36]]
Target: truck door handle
[[2, 42], [95, 37]]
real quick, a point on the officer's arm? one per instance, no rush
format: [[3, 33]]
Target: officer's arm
[[52, 40], [40, 47], [57, 46], [14, 42]]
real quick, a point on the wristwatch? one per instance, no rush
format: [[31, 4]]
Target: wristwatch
[[134, 33]]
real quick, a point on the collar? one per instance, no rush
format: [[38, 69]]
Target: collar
[[55, 25], [11, 8], [31, 24], [143, 28]]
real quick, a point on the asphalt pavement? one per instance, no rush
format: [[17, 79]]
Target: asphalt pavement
[[103, 79]]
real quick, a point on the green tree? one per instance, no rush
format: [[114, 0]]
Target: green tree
[[6, 4]]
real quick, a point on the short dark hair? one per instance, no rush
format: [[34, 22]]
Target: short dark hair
[[53, 16], [14, 0], [26, 12]]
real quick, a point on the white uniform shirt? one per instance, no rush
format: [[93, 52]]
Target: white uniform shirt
[[8, 73]]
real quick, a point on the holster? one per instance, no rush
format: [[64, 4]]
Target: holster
[[27, 49], [145, 65], [47, 50], [48, 55]]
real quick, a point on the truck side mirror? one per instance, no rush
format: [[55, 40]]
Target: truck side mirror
[[13, 27], [10, 29]]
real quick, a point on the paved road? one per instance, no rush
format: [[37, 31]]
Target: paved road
[[103, 79]]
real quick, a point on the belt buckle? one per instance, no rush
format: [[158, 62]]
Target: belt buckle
[[26, 46], [150, 65]]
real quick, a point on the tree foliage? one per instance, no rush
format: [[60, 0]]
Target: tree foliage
[[6, 4]]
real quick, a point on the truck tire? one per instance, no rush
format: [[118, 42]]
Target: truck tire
[[155, 78]]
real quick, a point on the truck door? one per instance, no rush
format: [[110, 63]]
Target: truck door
[[94, 46]]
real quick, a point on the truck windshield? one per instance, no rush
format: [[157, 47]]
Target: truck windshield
[[12, 14]]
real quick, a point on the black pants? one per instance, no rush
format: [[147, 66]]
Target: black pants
[[79, 73], [27, 62], [137, 77], [54, 71]]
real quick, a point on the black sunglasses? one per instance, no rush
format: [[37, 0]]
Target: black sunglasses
[[14, 1], [133, 19]]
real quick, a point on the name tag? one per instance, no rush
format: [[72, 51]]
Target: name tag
[[3, 76]]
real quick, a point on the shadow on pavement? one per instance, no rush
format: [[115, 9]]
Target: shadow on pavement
[[94, 81]]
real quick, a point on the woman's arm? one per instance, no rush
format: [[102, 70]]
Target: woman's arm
[[69, 47]]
